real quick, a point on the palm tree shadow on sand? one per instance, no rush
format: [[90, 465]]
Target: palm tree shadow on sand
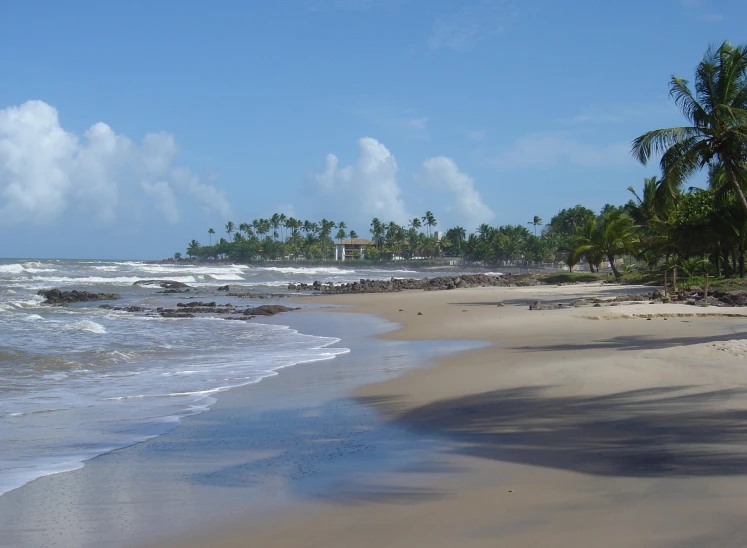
[[655, 432]]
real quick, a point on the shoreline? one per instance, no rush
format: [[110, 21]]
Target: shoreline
[[259, 447], [565, 431]]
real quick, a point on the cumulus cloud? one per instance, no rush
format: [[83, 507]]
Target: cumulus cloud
[[46, 171], [442, 173], [369, 186]]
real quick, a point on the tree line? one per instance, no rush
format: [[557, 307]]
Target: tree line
[[663, 225]]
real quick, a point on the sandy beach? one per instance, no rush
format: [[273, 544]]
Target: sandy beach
[[610, 426]]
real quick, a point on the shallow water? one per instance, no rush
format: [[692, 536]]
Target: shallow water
[[79, 381]]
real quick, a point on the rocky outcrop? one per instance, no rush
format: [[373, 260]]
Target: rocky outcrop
[[165, 284], [57, 296], [267, 310], [425, 284], [124, 308], [259, 295], [223, 288]]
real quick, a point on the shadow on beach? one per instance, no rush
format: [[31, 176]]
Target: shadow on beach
[[655, 432]]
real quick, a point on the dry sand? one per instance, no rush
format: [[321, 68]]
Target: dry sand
[[576, 427]]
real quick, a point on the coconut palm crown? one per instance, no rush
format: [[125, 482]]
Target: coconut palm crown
[[717, 112]]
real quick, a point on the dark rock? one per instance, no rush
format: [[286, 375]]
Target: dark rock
[[420, 313], [196, 304], [165, 284], [171, 313], [267, 310], [55, 296], [171, 291], [426, 284], [224, 288], [501, 304], [124, 308], [535, 306]]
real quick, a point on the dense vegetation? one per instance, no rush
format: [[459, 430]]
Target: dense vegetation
[[663, 226]]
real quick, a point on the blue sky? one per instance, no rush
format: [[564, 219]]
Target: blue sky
[[129, 128]]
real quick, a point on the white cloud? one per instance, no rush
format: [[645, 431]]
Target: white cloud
[[367, 188], [620, 114], [442, 173], [165, 198], [46, 171], [544, 150], [476, 134], [471, 22], [287, 209]]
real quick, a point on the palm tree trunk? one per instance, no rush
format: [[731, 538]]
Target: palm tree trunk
[[611, 259]]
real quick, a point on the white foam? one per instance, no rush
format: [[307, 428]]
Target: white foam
[[84, 325], [11, 269], [307, 270], [116, 280]]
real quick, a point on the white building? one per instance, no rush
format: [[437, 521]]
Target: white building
[[351, 249]]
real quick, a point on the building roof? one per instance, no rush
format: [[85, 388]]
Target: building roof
[[356, 241]]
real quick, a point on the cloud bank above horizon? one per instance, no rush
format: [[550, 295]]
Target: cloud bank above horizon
[[47, 172], [369, 187]]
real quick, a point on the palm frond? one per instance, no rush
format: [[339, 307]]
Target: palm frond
[[683, 159], [658, 141], [687, 103]]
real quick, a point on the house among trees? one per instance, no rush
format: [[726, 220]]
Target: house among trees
[[346, 250]]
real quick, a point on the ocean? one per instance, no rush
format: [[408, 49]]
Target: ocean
[[80, 381]]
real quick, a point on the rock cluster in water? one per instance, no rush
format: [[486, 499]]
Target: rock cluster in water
[[57, 296], [426, 284]]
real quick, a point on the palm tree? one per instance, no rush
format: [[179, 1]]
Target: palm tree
[[415, 223], [717, 113], [430, 221], [325, 230], [377, 231], [353, 235], [457, 234], [275, 224], [341, 234], [245, 228], [613, 234], [284, 224], [536, 221], [193, 248], [211, 232], [230, 227]]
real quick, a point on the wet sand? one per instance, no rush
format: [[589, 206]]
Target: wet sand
[[294, 436], [614, 426]]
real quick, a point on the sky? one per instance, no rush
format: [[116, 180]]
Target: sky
[[129, 128]]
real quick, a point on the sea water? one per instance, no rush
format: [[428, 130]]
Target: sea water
[[79, 381]]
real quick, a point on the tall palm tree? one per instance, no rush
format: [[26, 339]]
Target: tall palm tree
[[245, 228], [717, 113], [284, 225], [353, 235], [430, 221], [211, 232], [536, 221], [275, 224], [377, 231], [415, 223], [230, 227]]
